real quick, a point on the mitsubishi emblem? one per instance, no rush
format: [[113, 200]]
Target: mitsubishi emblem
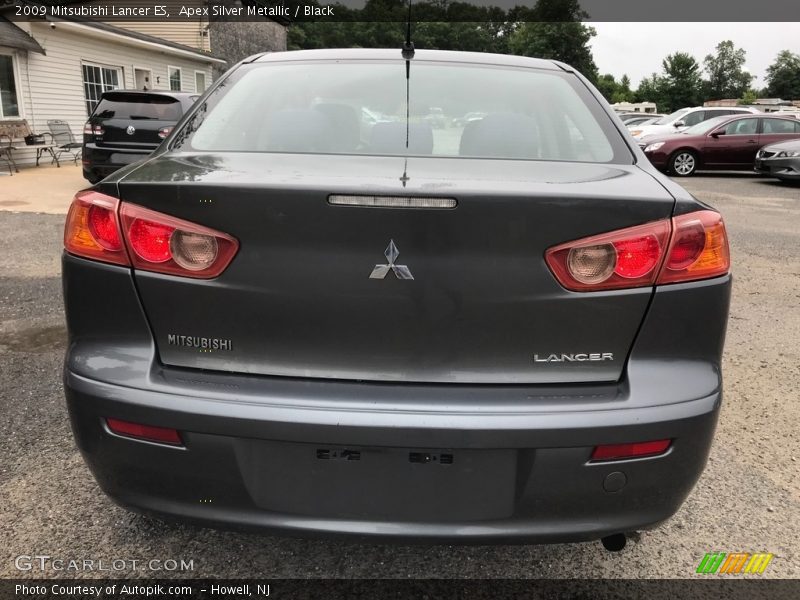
[[391, 254]]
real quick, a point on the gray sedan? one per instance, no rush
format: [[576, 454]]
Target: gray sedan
[[780, 160]]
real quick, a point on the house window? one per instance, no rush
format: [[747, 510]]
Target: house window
[[174, 78], [9, 101], [97, 80], [199, 82]]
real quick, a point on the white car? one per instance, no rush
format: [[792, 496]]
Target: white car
[[685, 117]]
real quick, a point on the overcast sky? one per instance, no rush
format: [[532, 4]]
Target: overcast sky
[[638, 48]]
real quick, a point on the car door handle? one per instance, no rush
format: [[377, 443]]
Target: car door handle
[[752, 142]]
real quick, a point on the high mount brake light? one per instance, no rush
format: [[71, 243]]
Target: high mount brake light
[[686, 248], [101, 228]]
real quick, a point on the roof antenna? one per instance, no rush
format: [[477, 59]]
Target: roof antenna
[[408, 54], [408, 46]]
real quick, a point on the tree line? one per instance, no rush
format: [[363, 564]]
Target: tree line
[[551, 29]]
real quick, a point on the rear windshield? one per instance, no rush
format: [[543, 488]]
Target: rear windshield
[[138, 106], [362, 108]]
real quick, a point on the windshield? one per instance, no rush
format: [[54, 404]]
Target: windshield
[[361, 108], [671, 118], [706, 126]]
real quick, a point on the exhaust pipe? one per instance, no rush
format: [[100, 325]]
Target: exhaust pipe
[[614, 543]]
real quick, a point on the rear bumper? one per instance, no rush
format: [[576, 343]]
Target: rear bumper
[[516, 474], [100, 162], [258, 449]]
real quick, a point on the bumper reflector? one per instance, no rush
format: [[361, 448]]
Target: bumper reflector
[[162, 435], [634, 450]]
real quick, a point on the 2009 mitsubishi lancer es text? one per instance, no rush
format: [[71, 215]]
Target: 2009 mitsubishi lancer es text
[[314, 309]]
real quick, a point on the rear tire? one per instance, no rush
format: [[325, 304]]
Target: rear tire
[[683, 163]]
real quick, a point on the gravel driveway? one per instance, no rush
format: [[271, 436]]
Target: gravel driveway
[[748, 499]]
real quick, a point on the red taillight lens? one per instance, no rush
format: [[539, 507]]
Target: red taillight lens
[[699, 248], [686, 248], [165, 244], [634, 450], [150, 241], [620, 259], [150, 433], [102, 228], [164, 132], [98, 130], [92, 230], [636, 257], [87, 129]]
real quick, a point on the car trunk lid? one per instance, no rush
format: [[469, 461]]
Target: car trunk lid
[[302, 297]]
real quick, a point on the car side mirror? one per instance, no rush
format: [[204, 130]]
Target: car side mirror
[[679, 124], [716, 134]]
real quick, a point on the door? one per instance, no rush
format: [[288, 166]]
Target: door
[[199, 82], [733, 145], [142, 78]]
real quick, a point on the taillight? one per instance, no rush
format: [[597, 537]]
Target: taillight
[[699, 248], [165, 244], [87, 128], [101, 228], [686, 248], [98, 130], [92, 229], [620, 259], [164, 132]]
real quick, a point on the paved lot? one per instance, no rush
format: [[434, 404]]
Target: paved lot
[[747, 500]]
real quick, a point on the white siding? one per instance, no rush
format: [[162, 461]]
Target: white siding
[[188, 33], [52, 85]]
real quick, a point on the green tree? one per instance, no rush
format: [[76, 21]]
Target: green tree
[[557, 33], [607, 86], [783, 76], [649, 90], [681, 84], [727, 77], [749, 97], [623, 93]]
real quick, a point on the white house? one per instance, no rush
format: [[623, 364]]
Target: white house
[[58, 69]]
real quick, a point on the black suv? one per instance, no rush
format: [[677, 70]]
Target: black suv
[[126, 126]]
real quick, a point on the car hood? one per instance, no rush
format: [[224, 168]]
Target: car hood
[[790, 145], [647, 130], [664, 137]]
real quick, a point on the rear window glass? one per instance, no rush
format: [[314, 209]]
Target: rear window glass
[[130, 106], [362, 108]]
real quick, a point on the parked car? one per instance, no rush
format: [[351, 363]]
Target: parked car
[[685, 118], [780, 160], [468, 118], [126, 126], [636, 116], [641, 120], [719, 143], [510, 338], [436, 118]]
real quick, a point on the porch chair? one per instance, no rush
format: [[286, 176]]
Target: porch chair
[[64, 140]]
